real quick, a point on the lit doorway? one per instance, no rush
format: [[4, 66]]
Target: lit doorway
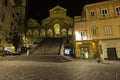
[[84, 52], [57, 30]]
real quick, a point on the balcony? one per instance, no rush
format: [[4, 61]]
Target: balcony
[[110, 15], [117, 14], [104, 16]]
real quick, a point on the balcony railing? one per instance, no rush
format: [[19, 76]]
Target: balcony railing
[[117, 14], [102, 16], [110, 15], [105, 16]]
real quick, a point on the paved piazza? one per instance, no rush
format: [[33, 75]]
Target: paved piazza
[[73, 70]]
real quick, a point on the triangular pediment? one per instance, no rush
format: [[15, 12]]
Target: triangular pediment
[[57, 8]]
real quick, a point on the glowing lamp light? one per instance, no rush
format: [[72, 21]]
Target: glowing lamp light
[[77, 36], [80, 36]]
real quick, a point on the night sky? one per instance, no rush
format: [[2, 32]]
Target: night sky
[[39, 9]]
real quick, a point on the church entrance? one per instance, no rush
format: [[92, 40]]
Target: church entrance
[[57, 30]]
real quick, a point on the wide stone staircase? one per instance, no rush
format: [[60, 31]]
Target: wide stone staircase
[[48, 46]]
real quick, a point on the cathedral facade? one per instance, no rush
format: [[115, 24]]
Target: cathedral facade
[[57, 25]]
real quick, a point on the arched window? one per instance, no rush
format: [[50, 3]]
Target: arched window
[[64, 32], [42, 33], [29, 33], [70, 32], [35, 34], [57, 30], [50, 33]]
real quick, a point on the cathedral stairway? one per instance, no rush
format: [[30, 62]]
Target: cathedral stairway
[[49, 46]]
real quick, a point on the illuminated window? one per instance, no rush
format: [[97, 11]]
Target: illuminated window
[[108, 30], [104, 13], [92, 13], [83, 35], [63, 32], [49, 33], [57, 30], [70, 32], [117, 10], [80, 35]]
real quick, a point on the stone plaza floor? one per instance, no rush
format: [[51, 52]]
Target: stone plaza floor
[[22, 69]]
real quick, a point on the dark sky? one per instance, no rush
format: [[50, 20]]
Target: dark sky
[[39, 9]]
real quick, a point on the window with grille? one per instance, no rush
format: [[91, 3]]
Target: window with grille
[[104, 13], [92, 13], [108, 30], [94, 31], [117, 10], [83, 35]]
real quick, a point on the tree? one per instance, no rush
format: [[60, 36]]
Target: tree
[[16, 40]]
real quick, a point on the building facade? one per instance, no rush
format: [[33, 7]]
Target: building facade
[[56, 25], [10, 22], [97, 30]]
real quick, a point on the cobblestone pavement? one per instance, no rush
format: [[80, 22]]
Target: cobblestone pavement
[[74, 70]]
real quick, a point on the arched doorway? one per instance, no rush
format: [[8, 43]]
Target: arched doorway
[[57, 30]]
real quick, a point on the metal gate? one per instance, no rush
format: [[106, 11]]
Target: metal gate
[[111, 52]]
